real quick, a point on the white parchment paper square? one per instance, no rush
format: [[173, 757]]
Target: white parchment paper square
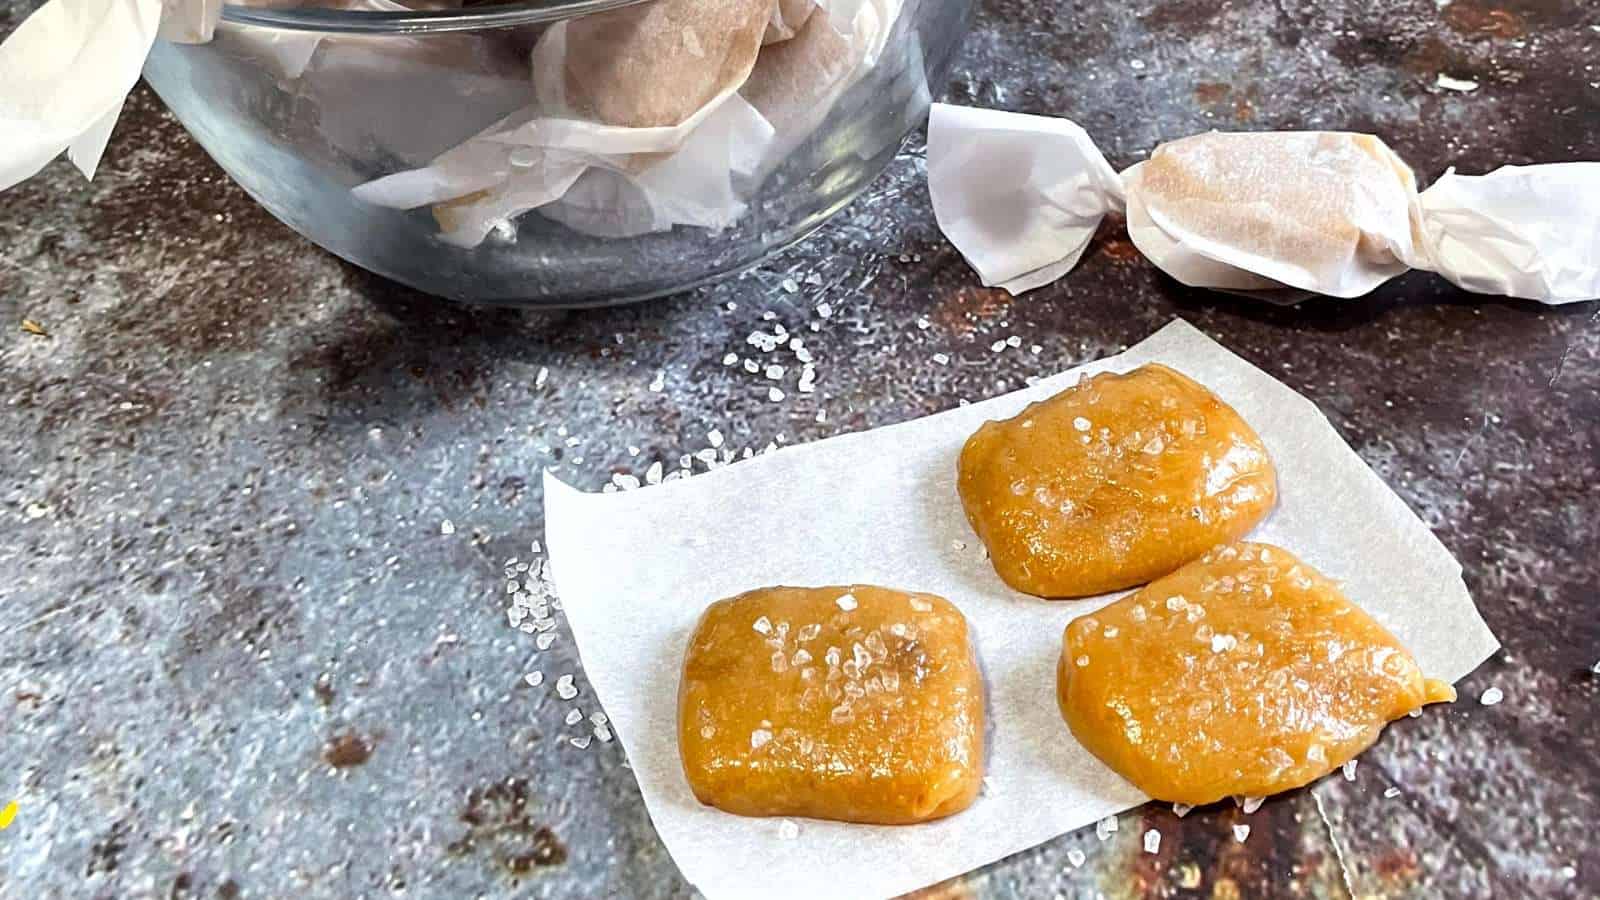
[[634, 571]]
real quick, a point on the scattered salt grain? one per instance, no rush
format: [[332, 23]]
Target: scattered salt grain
[[1013, 342], [544, 640], [534, 679], [1106, 827], [997, 346], [659, 382], [624, 481], [730, 359], [774, 372], [1349, 770], [1221, 643], [574, 716], [774, 395], [1080, 423], [759, 738], [581, 741], [808, 380], [1241, 832], [958, 544], [1178, 809], [603, 732], [788, 830], [789, 286], [762, 625], [1492, 696], [846, 602], [824, 310], [653, 474], [1076, 857], [1389, 793], [944, 360], [542, 377], [1462, 85], [1251, 804], [752, 366], [714, 438], [447, 527], [1152, 841], [565, 689]]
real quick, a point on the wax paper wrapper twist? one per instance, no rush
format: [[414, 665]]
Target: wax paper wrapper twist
[[635, 569], [66, 70], [1320, 211]]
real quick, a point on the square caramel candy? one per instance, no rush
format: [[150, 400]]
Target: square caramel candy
[[1245, 673], [1113, 482], [854, 703]]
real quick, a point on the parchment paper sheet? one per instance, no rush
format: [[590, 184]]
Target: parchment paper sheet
[[635, 570]]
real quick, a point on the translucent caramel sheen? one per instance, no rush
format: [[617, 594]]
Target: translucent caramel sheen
[[1113, 482], [855, 703], [1244, 673]]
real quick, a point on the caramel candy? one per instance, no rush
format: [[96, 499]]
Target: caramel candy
[[1113, 482], [855, 703], [1244, 673], [657, 63]]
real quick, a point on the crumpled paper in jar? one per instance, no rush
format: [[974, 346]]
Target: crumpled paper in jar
[[1327, 212], [635, 569], [616, 180]]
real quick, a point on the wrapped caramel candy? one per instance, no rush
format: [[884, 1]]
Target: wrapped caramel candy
[[1323, 212]]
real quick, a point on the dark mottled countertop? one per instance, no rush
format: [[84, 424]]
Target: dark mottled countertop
[[241, 656]]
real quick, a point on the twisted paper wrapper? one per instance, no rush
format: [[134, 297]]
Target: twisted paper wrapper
[[1324, 212]]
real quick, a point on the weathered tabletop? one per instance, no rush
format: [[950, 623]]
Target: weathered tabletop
[[243, 654]]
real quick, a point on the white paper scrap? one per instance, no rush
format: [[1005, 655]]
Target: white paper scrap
[[635, 570], [64, 74]]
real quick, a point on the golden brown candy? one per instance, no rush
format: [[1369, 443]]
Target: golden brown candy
[[1113, 482], [855, 703], [1244, 673]]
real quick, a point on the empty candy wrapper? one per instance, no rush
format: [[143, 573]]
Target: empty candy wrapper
[[1318, 211]]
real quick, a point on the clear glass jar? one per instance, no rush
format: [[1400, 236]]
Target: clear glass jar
[[302, 107]]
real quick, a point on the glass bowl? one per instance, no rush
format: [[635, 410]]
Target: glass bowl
[[555, 177]]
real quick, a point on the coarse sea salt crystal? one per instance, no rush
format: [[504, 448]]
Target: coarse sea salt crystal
[[581, 741], [534, 679], [1492, 696], [1240, 832], [565, 689], [846, 602], [759, 738], [574, 716], [1152, 841], [1180, 809], [1251, 804], [762, 625], [544, 640], [1349, 770], [1076, 857], [1106, 827], [1081, 424]]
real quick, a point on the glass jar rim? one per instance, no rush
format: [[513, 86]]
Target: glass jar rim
[[416, 22]]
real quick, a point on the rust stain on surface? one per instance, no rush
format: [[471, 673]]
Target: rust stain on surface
[[498, 820], [963, 310], [1479, 21], [348, 749]]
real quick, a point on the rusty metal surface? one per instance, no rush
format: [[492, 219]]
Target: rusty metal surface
[[241, 658]]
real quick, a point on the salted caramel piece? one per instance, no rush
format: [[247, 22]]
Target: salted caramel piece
[[854, 703], [1244, 673], [1113, 482]]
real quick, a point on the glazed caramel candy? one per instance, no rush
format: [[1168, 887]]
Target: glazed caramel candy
[[1111, 483], [855, 703], [1244, 673]]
